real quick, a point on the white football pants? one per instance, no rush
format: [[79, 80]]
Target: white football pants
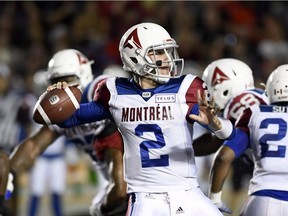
[[175, 203], [264, 206]]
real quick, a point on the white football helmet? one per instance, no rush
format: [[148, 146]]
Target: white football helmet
[[227, 77], [277, 85], [146, 37], [70, 62]]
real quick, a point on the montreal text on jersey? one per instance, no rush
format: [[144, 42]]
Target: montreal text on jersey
[[158, 113]]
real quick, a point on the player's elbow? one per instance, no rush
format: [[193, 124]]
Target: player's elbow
[[225, 155], [121, 192]]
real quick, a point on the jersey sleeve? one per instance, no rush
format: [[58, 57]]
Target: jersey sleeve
[[191, 96], [102, 94], [243, 120], [87, 113], [241, 102], [96, 110], [240, 142]]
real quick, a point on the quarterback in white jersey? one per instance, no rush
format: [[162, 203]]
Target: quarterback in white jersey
[[155, 112], [263, 129]]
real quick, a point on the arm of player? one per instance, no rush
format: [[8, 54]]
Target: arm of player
[[222, 163], [24, 156], [87, 113], [4, 172], [218, 174], [206, 144], [206, 115], [116, 200]]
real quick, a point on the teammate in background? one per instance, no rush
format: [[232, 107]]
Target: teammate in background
[[48, 175], [155, 112], [263, 129], [15, 123], [231, 83], [73, 67], [110, 156]]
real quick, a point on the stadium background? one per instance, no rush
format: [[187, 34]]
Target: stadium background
[[30, 32]]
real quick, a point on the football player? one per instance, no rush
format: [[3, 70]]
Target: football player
[[231, 83], [15, 124], [155, 112], [73, 67], [263, 129]]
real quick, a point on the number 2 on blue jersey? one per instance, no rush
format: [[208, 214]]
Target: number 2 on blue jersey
[[282, 129], [163, 160]]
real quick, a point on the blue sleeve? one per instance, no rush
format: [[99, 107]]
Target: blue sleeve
[[84, 98], [239, 143], [87, 113]]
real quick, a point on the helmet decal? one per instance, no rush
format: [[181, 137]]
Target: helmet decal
[[218, 77], [134, 38], [82, 59], [277, 91]]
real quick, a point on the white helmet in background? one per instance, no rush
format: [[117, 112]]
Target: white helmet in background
[[117, 71], [146, 37], [227, 77], [70, 62], [277, 85], [40, 80]]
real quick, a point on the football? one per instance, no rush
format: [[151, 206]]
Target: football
[[57, 105]]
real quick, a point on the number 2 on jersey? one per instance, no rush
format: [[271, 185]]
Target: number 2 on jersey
[[282, 130], [163, 160]]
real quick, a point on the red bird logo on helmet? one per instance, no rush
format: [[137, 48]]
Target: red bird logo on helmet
[[133, 37], [82, 59], [218, 77]]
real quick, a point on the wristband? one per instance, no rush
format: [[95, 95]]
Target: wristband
[[216, 197], [226, 129]]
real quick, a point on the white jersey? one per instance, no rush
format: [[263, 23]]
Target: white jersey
[[242, 101], [157, 137], [267, 126]]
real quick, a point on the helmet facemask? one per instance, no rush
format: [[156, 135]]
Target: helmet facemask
[[154, 65]]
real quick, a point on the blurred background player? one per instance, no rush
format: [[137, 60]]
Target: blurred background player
[[263, 129], [110, 155], [73, 67], [15, 123], [48, 175], [202, 161], [231, 83]]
